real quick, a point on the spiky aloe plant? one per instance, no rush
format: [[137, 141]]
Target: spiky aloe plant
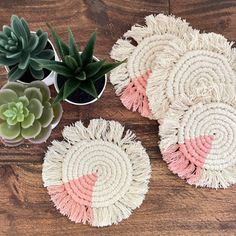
[[26, 112], [18, 48], [79, 69]]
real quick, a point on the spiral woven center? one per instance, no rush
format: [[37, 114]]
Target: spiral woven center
[[197, 72], [209, 130], [144, 56], [108, 162]]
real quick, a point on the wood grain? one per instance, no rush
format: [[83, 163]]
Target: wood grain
[[208, 15], [171, 206]]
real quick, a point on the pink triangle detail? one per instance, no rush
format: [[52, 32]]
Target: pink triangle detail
[[187, 159], [134, 95], [74, 198]]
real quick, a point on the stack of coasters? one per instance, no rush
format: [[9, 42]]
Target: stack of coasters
[[98, 175], [186, 81]]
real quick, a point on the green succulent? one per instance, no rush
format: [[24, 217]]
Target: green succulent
[[19, 46], [79, 69], [26, 112]]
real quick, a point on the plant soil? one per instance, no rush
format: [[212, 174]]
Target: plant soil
[[79, 96]]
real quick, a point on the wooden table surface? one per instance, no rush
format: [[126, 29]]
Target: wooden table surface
[[171, 207]]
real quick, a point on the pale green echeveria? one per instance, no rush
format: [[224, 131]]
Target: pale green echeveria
[[26, 112]]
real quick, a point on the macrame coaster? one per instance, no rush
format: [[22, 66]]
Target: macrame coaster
[[140, 46], [198, 140], [98, 175], [193, 69]]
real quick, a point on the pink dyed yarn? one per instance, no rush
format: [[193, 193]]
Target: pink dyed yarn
[[187, 159], [74, 198], [134, 96]]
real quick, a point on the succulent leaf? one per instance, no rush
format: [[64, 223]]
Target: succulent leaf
[[42, 136], [7, 96], [89, 88], [37, 74], [93, 68], [104, 70], [71, 62], [43, 89], [28, 121], [15, 73], [69, 87], [24, 100], [57, 113], [87, 54], [35, 107], [7, 61], [26, 111], [18, 28], [47, 115], [32, 131], [81, 76], [74, 52], [24, 61], [33, 42], [45, 54], [9, 131], [58, 67], [63, 49], [16, 87], [3, 108], [43, 38], [33, 92]]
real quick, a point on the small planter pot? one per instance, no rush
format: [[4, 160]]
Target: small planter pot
[[79, 97], [50, 76]]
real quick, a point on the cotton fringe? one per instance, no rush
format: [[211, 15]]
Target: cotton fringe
[[110, 131]]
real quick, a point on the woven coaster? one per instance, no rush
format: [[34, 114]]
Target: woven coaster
[[193, 69], [198, 140], [140, 46], [98, 175]]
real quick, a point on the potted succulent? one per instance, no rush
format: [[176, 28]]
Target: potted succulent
[[81, 77], [19, 47], [26, 112]]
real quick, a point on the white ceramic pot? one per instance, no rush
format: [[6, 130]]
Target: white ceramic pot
[[51, 78], [86, 103]]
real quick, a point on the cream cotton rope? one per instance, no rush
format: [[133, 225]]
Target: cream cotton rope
[[130, 78], [193, 69], [99, 174], [198, 139]]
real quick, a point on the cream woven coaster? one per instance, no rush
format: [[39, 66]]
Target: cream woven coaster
[[198, 140], [131, 77], [98, 175], [193, 69]]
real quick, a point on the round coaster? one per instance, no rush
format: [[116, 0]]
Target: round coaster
[[198, 140], [98, 175], [139, 47], [193, 69]]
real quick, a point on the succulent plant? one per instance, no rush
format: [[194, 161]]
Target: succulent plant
[[18, 46], [79, 69], [26, 112]]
